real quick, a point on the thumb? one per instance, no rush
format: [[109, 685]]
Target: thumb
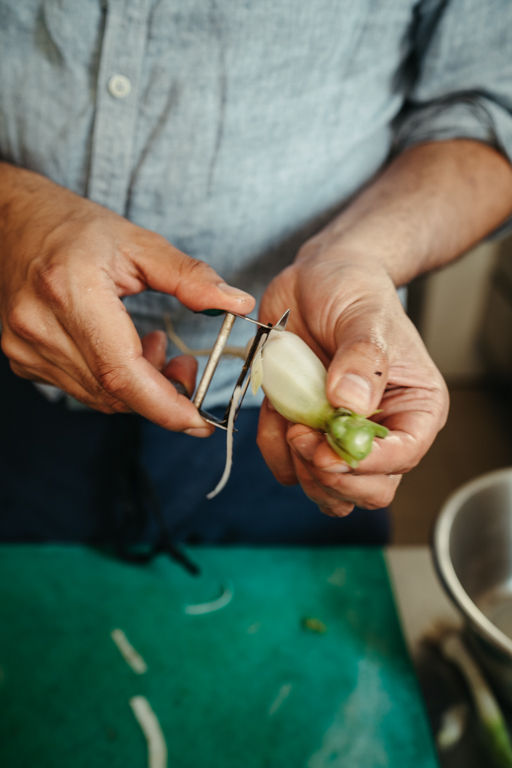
[[358, 373], [194, 283]]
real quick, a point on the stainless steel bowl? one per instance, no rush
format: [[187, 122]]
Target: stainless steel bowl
[[473, 555]]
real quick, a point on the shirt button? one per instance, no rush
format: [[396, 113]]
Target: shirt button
[[119, 86]]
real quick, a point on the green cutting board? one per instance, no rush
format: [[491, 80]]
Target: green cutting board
[[247, 686]]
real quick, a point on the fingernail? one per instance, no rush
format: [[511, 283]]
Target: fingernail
[[234, 292], [180, 388], [338, 469], [354, 391], [306, 445], [198, 432]]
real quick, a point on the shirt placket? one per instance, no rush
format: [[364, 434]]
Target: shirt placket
[[117, 103]]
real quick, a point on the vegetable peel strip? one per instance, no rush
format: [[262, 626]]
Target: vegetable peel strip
[[281, 697], [128, 652], [148, 721], [229, 444], [257, 372], [198, 609]]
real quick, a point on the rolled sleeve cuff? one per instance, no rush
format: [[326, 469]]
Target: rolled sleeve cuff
[[471, 116]]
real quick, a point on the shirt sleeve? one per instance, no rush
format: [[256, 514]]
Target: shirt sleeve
[[462, 88]]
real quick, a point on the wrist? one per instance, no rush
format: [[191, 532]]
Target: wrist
[[23, 194], [18, 183], [432, 203], [322, 254]]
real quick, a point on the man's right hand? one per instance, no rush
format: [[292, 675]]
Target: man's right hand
[[65, 263]]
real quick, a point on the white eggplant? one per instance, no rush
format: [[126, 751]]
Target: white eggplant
[[294, 378]]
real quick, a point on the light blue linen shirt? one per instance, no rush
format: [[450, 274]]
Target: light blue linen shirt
[[237, 128]]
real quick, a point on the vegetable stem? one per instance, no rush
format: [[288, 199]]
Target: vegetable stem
[[488, 710]]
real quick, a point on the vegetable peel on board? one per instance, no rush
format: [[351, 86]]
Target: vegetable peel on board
[[294, 379]]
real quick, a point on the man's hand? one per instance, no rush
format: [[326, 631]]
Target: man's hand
[[65, 263], [431, 204], [352, 318]]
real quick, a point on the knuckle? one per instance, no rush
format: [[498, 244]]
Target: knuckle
[[338, 509], [382, 501], [326, 510], [19, 370], [101, 407], [442, 401], [21, 323], [118, 407], [285, 476], [411, 463], [101, 401], [87, 382], [195, 269], [96, 405], [196, 265], [50, 284], [384, 497], [116, 381], [388, 498], [355, 330], [9, 344], [92, 396], [371, 352], [13, 349]]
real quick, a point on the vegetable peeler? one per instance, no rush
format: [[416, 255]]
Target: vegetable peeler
[[213, 360]]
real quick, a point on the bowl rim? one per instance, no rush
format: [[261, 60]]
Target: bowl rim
[[444, 566]]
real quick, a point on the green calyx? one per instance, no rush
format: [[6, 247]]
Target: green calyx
[[351, 436]]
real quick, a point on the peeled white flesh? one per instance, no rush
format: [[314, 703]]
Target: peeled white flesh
[[293, 378]]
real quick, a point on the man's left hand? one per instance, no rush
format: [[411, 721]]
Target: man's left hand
[[349, 313]]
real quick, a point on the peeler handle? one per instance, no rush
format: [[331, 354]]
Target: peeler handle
[[211, 312], [214, 358]]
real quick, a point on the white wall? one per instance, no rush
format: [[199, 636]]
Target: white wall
[[453, 307]]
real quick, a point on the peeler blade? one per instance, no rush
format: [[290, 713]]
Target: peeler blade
[[258, 343], [282, 323]]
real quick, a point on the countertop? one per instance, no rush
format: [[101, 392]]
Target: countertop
[[421, 602]]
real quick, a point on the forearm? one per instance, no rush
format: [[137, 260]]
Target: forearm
[[16, 186], [29, 200], [430, 205], [12, 193]]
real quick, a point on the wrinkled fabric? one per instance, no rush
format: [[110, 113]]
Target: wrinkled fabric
[[248, 124], [55, 487]]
